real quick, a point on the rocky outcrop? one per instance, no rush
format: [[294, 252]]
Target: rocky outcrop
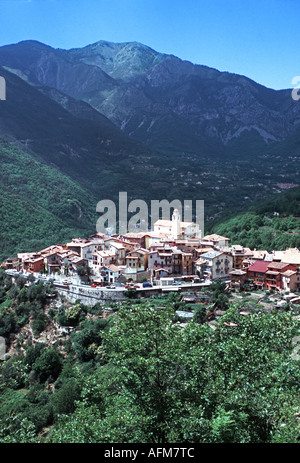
[[3, 355]]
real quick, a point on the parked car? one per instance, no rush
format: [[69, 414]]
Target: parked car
[[111, 287], [147, 285]]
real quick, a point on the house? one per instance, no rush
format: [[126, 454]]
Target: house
[[238, 278], [101, 259], [137, 263], [162, 258], [169, 260], [98, 236], [119, 250], [238, 254], [187, 265], [109, 274], [215, 240], [291, 280], [141, 239], [11, 263], [273, 274], [33, 264], [188, 245], [292, 256], [257, 272], [76, 245], [178, 262], [258, 254], [85, 248], [214, 265], [53, 260], [72, 262], [155, 239], [128, 244]]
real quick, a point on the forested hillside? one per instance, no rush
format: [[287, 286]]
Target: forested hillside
[[139, 376], [39, 206], [270, 224]]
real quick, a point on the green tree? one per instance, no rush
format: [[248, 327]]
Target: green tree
[[144, 345], [88, 339], [219, 297], [48, 365], [199, 313], [63, 400], [161, 383]]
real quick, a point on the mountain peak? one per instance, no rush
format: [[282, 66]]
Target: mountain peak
[[119, 60]]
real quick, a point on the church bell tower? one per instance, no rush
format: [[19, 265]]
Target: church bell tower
[[176, 224]]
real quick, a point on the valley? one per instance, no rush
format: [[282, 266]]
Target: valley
[[123, 117]]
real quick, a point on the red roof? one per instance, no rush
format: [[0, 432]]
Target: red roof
[[259, 266]]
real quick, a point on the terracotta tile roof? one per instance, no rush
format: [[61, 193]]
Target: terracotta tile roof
[[259, 266], [214, 237], [278, 265], [237, 272], [288, 273]]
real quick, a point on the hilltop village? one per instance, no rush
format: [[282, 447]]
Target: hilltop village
[[172, 253]]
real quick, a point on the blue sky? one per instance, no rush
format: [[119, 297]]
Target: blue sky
[[259, 39]]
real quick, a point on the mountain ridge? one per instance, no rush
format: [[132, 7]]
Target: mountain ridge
[[145, 92]]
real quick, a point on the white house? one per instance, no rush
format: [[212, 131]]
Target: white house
[[214, 265], [216, 240], [101, 259], [109, 273]]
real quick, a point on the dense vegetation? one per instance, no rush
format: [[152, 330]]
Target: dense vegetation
[[139, 376], [271, 224], [39, 206]]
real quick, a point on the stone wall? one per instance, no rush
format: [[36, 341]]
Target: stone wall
[[90, 296]]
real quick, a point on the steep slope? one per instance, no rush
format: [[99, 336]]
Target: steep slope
[[39, 206], [270, 224], [72, 137], [160, 99], [40, 64]]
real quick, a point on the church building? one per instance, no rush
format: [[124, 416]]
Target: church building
[[176, 229]]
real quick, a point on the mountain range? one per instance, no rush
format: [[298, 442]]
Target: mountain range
[[115, 117], [149, 94]]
